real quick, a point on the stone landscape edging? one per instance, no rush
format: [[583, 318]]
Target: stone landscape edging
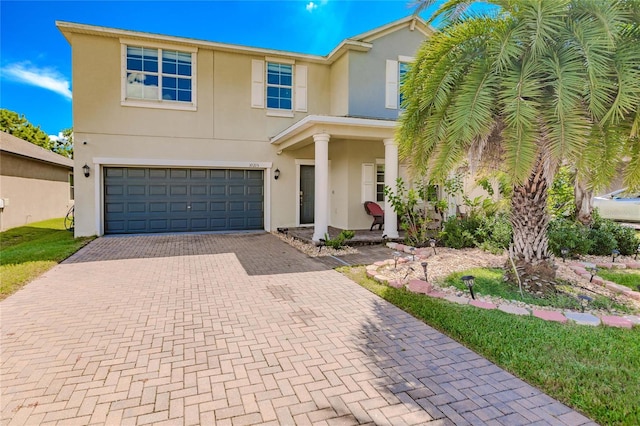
[[580, 318]]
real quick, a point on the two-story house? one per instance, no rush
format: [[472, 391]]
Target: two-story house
[[181, 135]]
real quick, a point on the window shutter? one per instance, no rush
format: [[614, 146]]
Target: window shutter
[[368, 182], [301, 88], [391, 92], [257, 83]]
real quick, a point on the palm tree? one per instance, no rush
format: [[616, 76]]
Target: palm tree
[[532, 83]]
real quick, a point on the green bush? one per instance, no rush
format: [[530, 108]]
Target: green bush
[[339, 241], [603, 236], [570, 234], [459, 233], [494, 233]]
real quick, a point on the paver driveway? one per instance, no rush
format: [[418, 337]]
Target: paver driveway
[[175, 330]]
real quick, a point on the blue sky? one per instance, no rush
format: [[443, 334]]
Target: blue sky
[[35, 64]]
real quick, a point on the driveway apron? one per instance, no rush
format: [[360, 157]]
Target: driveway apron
[[236, 330]]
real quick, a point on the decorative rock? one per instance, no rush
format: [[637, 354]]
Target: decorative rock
[[395, 284], [511, 309], [617, 288], [616, 321], [380, 263], [633, 294], [550, 316], [407, 249], [381, 279], [400, 247], [424, 252], [419, 286], [579, 270], [440, 295], [597, 280], [582, 318], [633, 265], [483, 305], [607, 265], [587, 276], [633, 318], [588, 265], [371, 273], [457, 299], [619, 265], [392, 246]]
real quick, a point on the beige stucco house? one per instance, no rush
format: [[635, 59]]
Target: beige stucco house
[[35, 184], [184, 135]]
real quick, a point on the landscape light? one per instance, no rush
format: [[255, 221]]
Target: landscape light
[[432, 244], [614, 253], [564, 252], [469, 281], [424, 268]]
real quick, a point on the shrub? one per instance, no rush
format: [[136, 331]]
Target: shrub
[[567, 233], [459, 233], [494, 233], [339, 241]]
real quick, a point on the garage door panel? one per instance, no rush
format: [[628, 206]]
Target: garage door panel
[[136, 207], [178, 190], [178, 199], [136, 173]]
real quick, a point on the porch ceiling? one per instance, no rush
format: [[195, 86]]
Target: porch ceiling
[[301, 133]]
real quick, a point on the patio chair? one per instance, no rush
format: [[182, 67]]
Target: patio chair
[[373, 209]]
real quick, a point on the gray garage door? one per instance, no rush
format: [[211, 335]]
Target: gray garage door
[[138, 200]]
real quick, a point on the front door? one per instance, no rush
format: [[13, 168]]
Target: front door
[[307, 194]]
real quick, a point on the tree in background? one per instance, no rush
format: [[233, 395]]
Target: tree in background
[[529, 85], [18, 126], [63, 144]]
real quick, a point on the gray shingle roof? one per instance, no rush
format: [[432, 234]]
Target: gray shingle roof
[[14, 145]]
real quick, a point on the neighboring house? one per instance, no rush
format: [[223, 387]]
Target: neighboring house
[[35, 184], [185, 135]]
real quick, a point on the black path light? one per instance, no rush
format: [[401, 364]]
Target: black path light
[[408, 272], [614, 253], [432, 244], [564, 252], [424, 268], [413, 253], [584, 301], [469, 281], [396, 256], [593, 271], [637, 252], [321, 243]]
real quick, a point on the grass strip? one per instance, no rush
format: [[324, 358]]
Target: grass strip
[[629, 278], [28, 251], [592, 369]]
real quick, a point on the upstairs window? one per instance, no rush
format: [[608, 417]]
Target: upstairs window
[[279, 86], [403, 67], [163, 75]]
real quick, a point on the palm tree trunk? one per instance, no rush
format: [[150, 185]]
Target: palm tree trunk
[[584, 202], [530, 245]]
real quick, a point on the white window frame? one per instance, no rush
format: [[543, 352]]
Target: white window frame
[[299, 84], [288, 111], [150, 103]]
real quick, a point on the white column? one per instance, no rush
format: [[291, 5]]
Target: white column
[[321, 200], [390, 176]]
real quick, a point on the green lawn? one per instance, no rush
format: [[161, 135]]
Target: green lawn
[[28, 251], [630, 278], [592, 369]]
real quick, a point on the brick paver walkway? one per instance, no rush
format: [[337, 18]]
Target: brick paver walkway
[[195, 339]]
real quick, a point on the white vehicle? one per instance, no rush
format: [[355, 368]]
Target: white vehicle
[[619, 205]]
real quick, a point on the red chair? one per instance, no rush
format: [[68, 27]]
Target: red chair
[[373, 209]]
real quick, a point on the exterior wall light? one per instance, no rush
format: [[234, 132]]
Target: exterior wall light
[[276, 174], [469, 281], [87, 170]]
